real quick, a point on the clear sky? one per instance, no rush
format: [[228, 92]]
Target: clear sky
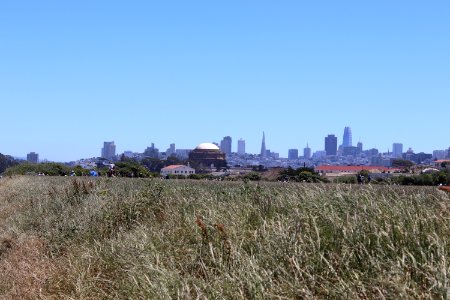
[[76, 73]]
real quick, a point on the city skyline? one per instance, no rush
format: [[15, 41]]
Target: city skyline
[[330, 147], [73, 77], [226, 145]]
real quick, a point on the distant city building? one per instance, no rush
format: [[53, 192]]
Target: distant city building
[[171, 150], [293, 154], [331, 144], [418, 158], [307, 152], [263, 145], [273, 155], [177, 170], [128, 154], [397, 150], [108, 150], [440, 154], [151, 151], [371, 152], [381, 161], [182, 153], [347, 139], [225, 145], [408, 153], [241, 147], [319, 154], [347, 151], [33, 157], [360, 147]]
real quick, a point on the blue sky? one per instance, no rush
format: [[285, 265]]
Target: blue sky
[[76, 73]]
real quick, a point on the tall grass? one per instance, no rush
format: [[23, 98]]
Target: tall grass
[[151, 239]]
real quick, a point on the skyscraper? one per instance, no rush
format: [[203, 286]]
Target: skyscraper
[[293, 154], [263, 145], [171, 150], [108, 150], [33, 157], [397, 150], [225, 145], [307, 152], [360, 147], [152, 151], [241, 147], [331, 144], [347, 139]]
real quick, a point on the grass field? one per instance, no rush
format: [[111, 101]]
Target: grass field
[[115, 238]]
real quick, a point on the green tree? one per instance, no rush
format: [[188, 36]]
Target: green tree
[[153, 164], [402, 163], [131, 169], [6, 161], [80, 171], [300, 175], [51, 169]]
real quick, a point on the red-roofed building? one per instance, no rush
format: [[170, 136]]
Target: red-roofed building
[[442, 163], [177, 170], [353, 169]]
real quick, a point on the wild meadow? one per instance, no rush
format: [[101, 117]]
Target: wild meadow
[[119, 238]]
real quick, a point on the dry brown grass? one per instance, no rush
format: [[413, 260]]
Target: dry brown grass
[[25, 268], [151, 239]]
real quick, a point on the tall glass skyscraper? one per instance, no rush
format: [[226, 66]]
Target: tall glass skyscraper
[[347, 140]]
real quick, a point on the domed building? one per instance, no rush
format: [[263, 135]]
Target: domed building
[[207, 155]]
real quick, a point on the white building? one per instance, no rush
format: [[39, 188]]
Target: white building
[[177, 170]]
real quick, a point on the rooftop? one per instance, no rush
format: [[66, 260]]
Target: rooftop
[[171, 167], [353, 168]]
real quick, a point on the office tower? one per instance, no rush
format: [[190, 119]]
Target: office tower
[[241, 147], [307, 152], [293, 154], [171, 150], [360, 147], [225, 145], [128, 154], [152, 151], [331, 144], [397, 150], [263, 145], [33, 157], [108, 150], [440, 154], [347, 140], [182, 153]]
